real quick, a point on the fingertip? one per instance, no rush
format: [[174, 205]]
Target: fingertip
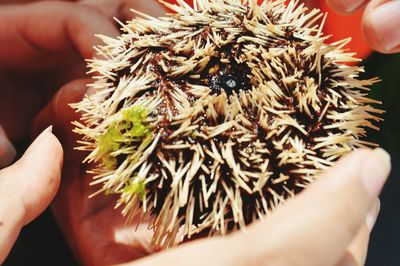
[[330, 212], [359, 153], [38, 173], [70, 93], [346, 7], [348, 161], [364, 170], [374, 172], [28, 186], [381, 26], [58, 112], [44, 147]]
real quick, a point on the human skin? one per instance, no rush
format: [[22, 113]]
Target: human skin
[[380, 23], [87, 226], [35, 61], [327, 224], [27, 187], [116, 243]]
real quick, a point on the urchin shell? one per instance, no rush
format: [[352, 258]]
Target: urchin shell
[[210, 117]]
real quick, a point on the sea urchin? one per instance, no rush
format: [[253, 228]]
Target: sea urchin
[[210, 117]]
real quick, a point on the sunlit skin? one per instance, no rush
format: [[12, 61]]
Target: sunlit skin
[[87, 224], [98, 240], [35, 62], [223, 128]]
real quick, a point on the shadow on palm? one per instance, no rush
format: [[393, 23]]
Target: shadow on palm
[[96, 232]]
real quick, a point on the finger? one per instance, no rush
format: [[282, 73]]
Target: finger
[[212, 252], [356, 253], [114, 240], [316, 227], [121, 8], [312, 229], [7, 150], [49, 28], [381, 25], [27, 187], [61, 115], [346, 7]]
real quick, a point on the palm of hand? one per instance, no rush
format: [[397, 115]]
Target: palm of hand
[[34, 62], [95, 230], [97, 233]]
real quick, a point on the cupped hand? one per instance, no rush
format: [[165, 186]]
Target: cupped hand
[[27, 187], [43, 46], [97, 234], [380, 23], [327, 224]]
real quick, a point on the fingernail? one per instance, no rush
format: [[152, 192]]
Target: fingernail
[[44, 132], [7, 150], [375, 170], [347, 6], [385, 21], [40, 137], [372, 215]]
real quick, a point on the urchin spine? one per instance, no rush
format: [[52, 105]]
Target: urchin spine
[[204, 160]]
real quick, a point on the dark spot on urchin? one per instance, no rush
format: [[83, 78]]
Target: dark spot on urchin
[[230, 77], [224, 74], [230, 82]]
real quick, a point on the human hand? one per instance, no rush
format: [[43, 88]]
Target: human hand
[[327, 224], [43, 46], [95, 231], [118, 8], [27, 187], [380, 23]]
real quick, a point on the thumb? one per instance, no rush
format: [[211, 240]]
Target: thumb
[[316, 227], [28, 186]]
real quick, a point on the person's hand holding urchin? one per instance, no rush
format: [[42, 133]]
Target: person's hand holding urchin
[[207, 119]]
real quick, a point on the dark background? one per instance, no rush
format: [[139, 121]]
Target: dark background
[[41, 243], [384, 244]]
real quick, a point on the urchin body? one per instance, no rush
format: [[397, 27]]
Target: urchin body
[[209, 118]]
